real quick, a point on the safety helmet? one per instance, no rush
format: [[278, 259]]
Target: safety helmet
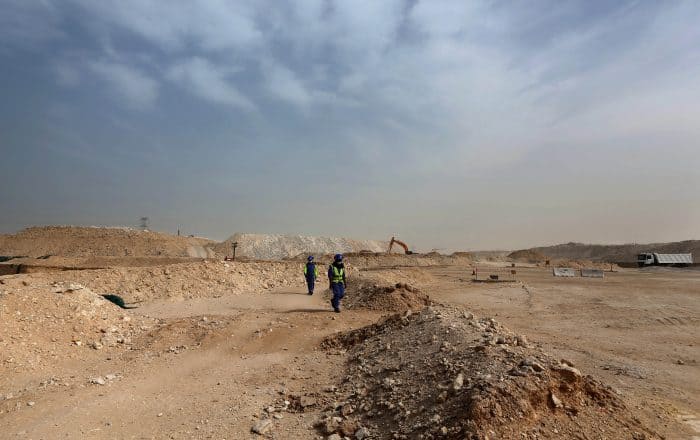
[[338, 257], [310, 258]]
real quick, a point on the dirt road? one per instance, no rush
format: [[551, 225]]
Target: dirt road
[[207, 373]]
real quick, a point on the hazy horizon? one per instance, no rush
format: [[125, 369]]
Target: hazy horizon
[[450, 125], [411, 245]]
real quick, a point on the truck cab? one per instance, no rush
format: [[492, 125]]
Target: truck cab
[[645, 259]]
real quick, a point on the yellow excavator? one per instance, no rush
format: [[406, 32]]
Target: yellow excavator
[[400, 243]]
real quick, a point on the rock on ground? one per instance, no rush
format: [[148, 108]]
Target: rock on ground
[[443, 373]]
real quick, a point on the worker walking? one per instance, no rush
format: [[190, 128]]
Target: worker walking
[[336, 278], [310, 273]]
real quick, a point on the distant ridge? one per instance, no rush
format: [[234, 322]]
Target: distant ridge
[[624, 253]]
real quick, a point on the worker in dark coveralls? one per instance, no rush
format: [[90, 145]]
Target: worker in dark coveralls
[[310, 273], [336, 278]]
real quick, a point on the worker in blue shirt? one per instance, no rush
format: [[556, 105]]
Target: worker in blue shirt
[[336, 278], [310, 273]]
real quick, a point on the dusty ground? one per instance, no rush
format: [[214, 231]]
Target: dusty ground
[[636, 329], [207, 371], [212, 365]]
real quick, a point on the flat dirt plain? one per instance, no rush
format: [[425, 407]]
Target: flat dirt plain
[[271, 358]]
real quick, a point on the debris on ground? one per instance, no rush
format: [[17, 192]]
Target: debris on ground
[[262, 427], [443, 373]]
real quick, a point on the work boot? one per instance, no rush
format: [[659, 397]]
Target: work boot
[[336, 310]]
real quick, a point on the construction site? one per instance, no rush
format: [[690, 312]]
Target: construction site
[[112, 333], [350, 220]]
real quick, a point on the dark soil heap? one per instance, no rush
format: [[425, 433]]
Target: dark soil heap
[[442, 373], [395, 298]]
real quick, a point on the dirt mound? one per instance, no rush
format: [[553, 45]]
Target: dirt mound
[[186, 280], [392, 290], [57, 264], [527, 256], [277, 247], [75, 241], [443, 373], [488, 256], [395, 298], [42, 323], [584, 264]]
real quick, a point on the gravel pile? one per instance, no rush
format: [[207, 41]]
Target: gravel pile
[[444, 373]]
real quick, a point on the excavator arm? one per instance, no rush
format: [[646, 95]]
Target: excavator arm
[[400, 243]]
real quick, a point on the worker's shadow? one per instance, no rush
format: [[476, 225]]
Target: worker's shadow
[[309, 311], [290, 293]]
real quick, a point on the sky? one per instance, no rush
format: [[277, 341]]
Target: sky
[[450, 124]]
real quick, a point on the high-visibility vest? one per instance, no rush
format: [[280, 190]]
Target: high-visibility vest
[[306, 269], [338, 274]]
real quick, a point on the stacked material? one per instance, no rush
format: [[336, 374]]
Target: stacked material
[[277, 247]]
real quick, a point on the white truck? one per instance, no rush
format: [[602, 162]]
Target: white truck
[[656, 259]]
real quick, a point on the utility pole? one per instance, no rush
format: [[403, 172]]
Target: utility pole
[[234, 245]]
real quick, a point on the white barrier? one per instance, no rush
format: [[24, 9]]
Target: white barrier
[[563, 272], [592, 273]]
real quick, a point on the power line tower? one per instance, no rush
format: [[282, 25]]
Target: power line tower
[[144, 223]]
